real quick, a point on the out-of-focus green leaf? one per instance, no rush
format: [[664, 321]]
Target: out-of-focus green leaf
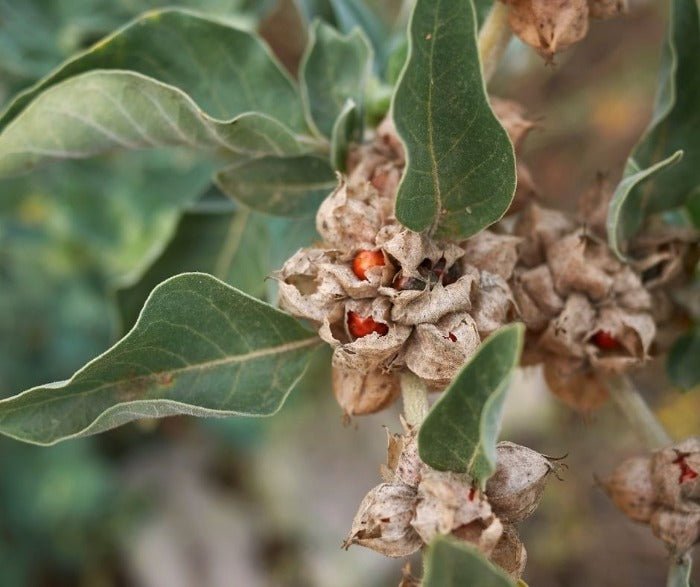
[[283, 186], [350, 14], [226, 71], [232, 246], [460, 169], [449, 563], [347, 128], [626, 211], [199, 347], [334, 70], [675, 127], [683, 364], [461, 430]]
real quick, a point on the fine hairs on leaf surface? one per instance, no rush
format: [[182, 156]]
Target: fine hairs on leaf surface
[[460, 167], [461, 430], [448, 563], [675, 127], [199, 347]]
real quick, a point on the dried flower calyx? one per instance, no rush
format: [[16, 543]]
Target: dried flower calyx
[[417, 503], [662, 490], [550, 26]]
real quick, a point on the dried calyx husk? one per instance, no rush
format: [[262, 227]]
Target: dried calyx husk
[[550, 26], [385, 298], [662, 489], [587, 313], [416, 503]]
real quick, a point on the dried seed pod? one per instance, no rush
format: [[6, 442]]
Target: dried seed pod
[[606, 8], [448, 501], [403, 463], [495, 253], [631, 489], [494, 306], [567, 334], [539, 227], [512, 117], [515, 489], [575, 383], [360, 393], [510, 553], [676, 475], [382, 522], [549, 26], [679, 530]]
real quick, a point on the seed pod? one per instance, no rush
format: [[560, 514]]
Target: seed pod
[[676, 475], [382, 522], [679, 530], [631, 489], [403, 463], [360, 393], [515, 489], [510, 553], [606, 8]]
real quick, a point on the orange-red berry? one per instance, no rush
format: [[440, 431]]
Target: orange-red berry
[[605, 341], [359, 326], [365, 260], [687, 474]]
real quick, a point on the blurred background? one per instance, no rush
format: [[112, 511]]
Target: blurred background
[[266, 502]]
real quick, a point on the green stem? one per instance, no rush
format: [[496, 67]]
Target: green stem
[[679, 572], [494, 37], [415, 399], [637, 412]]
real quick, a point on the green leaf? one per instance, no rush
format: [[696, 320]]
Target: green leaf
[[334, 69], [350, 14], [347, 128], [226, 71], [232, 246], [282, 186], [683, 365], [200, 347], [103, 110], [461, 430], [675, 126], [627, 210], [460, 170], [449, 563]]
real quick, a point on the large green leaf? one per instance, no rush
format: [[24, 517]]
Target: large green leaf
[[334, 69], [103, 110], [461, 430], [226, 71], [675, 126], [283, 186], [233, 246], [626, 212], [460, 171], [200, 347], [449, 563]]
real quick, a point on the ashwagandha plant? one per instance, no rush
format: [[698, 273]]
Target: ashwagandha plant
[[435, 270]]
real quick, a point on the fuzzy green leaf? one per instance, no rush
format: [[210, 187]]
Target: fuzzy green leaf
[[626, 211], [461, 430], [233, 246], [460, 170], [226, 71], [347, 128], [449, 563], [200, 347], [675, 127], [282, 186], [335, 69]]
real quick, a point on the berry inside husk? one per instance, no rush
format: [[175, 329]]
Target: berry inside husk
[[605, 341], [365, 260], [360, 326], [687, 473]]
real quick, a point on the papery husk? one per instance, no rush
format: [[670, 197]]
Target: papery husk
[[633, 331], [359, 393], [606, 8], [382, 522], [495, 253], [436, 352], [510, 553], [447, 502], [666, 470], [631, 489], [516, 487], [549, 26], [566, 334], [575, 383], [539, 227], [512, 117], [494, 306], [403, 463], [680, 531]]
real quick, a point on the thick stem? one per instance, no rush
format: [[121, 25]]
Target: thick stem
[[494, 37], [415, 399], [637, 412], [679, 572]]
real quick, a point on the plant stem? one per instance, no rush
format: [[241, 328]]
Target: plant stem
[[679, 572], [415, 399], [494, 37], [637, 412]]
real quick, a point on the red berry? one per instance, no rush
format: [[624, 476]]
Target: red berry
[[365, 260], [359, 326], [605, 341], [451, 336], [687, 474]]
